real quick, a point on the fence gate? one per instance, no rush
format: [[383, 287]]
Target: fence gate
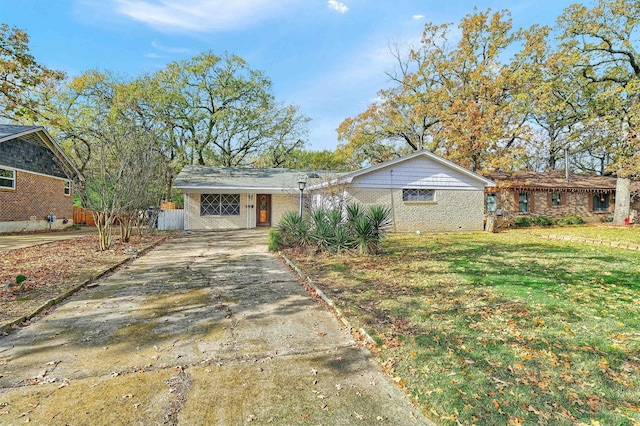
[[171, 220]]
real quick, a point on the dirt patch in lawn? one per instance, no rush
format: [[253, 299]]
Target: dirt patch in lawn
[[53, 269]]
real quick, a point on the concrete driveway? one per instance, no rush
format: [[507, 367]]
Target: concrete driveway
[[208, 328]]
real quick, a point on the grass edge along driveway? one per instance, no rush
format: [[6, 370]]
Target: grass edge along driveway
[[501, 328]]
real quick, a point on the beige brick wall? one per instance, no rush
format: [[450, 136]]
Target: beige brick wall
[[280, 203], [195, 221], [35, 196], [452, 210], [577, 204]]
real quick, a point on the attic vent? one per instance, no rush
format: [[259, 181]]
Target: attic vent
[[313, 176]]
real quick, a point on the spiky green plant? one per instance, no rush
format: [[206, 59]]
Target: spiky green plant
[[334, 217], [354, 211], [363, 232], [380, 218], [322, 236], [293, 230], [341, 239], [317, 216]]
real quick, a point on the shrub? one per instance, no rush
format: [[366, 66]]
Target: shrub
[[342, 240], [322, 236], [20, 279], [335, 231], [522, 221], [542, 221], [571, 220], [363, 230], [380, 218], [275, 240], [293, 230]]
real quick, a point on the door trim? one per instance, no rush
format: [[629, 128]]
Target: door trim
[[263, 219]]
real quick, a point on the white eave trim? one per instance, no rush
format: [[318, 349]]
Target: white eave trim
[[348, 178], [253, 189]]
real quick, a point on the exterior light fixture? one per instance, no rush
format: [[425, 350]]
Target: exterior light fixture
[[302, 183]]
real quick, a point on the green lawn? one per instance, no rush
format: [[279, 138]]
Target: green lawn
[[501, 328], [603, 232]]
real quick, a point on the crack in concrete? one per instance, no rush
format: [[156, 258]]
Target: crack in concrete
[[179, 386]]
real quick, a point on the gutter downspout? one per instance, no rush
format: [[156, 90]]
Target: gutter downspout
[[393, 208]]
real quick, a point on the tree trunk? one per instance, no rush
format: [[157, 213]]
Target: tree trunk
[[104, 222], [623, 201]]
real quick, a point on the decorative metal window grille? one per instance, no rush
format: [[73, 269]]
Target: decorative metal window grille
[[418, 195], [601, 202], [556, 199], [219, 204], [492, 203], [7, 178], [523, 202]]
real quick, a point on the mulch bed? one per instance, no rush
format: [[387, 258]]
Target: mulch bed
[[54, 268]]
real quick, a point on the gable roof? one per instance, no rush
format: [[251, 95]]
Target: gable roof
[[553, 181], [348, 177], [243, 178], [38, 135]]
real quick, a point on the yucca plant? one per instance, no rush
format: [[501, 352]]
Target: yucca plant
[[341, 240], [293, 230], [380, 218], [363, 232], [322, 236], [317, 216], [354, 211], [334, 217]]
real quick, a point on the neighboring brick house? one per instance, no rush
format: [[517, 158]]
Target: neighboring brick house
[[552, 195], [425, 193], [36, 180]]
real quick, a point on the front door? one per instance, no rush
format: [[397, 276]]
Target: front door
[[263, 212]]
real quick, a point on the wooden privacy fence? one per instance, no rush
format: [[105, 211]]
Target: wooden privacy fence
[[171, 218], [83, 216]]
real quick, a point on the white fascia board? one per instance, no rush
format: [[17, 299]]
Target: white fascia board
[[243, 189]]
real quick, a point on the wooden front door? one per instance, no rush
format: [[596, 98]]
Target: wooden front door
[[263, 212]]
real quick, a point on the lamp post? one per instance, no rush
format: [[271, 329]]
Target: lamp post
[[301, 185]]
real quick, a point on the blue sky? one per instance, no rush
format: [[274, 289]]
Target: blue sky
[[327, 56]]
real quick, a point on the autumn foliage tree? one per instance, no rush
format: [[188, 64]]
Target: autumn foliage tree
[[21, 76], [115, 151], [505, 98], [602, 44], [459, 101]]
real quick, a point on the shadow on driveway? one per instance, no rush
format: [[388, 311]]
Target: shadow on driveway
[[208, 328]]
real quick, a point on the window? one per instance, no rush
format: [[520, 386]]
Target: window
[[219, 204], [67, 187], [556, 199], [492, 200], [418, 195], [7, 178], [523, 202], [601, 202]]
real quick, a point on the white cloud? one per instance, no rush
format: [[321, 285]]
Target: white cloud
[[200, 15], [417, 17], [169, 49], [338, 6]]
